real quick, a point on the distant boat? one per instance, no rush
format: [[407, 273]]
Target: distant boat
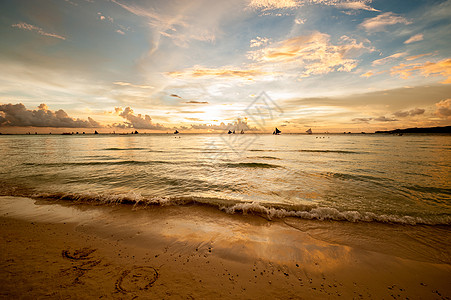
[[176, 131], [230, 132], [66, 133], [277, 131], [242, 131], [309, 131], [233, 132], [95, 132]]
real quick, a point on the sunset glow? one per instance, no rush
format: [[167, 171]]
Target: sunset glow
[[157, 66]]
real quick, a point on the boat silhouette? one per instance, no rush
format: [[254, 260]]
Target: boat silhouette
[[277, 131]]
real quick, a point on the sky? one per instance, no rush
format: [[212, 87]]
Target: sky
[[210, 66]]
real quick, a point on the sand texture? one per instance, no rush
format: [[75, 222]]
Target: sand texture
[[86, 252]]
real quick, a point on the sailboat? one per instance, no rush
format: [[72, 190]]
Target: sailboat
[[277, 131], [309, 131], [230, 132], [242, 131], [176, 131]]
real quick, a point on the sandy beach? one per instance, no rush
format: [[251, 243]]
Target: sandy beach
[[64, 251]]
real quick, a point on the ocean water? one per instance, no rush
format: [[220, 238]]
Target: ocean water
[[351, 178]]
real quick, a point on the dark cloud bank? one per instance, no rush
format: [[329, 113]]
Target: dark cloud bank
[[18, 115]]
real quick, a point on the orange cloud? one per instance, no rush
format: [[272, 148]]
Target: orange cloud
[[417, 56], [220, 72], [314, 53], [442, 68], [367, 74]]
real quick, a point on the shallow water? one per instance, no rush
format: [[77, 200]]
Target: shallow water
[[383, 178]]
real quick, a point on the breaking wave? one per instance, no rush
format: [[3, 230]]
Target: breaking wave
[[269, 211]]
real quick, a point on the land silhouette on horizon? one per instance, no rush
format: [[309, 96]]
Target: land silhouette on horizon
[[443, 129]]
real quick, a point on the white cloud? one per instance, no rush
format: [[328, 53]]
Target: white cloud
[[300, 21], [121, 83], [379, 23], [356, 5], [258, 42], [274, 4], [291, 4], [415, 38], [384, 60], [26, 26]]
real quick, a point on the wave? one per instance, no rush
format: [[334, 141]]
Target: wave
[[98, 163], [123, 149], [329, 151], [310, 151], [251, 165], [265, 157], [269, 211]]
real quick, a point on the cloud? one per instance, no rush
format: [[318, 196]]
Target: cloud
[[136, 121], [355, 5], [18, 115], [384, 60], [292, 4], [379, 119], [427, 69], [237, 125], [412, 112], [362, 120], [384, 119], [225, 72], [314, 53], [178, 25], [415, 38], [367, 74], [196, 102], [121, 83], [175, 96], [258, 42], [274, 4], [26, 26], [379, 23], [417, 56], [444, 109], [300, 21]]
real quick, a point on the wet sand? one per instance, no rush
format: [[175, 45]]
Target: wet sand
[[82, 252]]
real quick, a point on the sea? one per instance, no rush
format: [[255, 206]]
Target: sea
[[355, 178]]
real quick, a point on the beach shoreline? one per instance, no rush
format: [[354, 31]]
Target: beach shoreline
[[82, 251]]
